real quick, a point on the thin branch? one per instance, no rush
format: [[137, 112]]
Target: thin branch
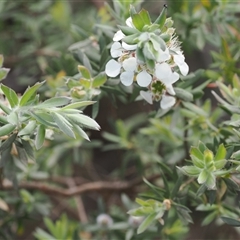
[[72, 191]]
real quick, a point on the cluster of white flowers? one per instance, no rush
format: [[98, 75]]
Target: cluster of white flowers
[[167, 57]]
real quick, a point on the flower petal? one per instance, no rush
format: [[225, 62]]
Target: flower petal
[[178, 58], [170, 89], [129, 47], [127, 78], [119, 35], [167, 101], [184, 68], [116, 50], [130, 64], [112, 68], [129, 22], [163, 71], [163, 55], [147, 96], [144, 79]]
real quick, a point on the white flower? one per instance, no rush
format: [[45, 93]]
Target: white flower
[[166, 101], [104, 220], [164, 73], [127, 78], [116, 50], [144, 79], [135, 221], [112, 68], [119, 35], [179, 59]]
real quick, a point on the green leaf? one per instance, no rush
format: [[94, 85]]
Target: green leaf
[[197, 162], [209, 218], [22, 155], [146, 223], [10, 95], [84, 72], [211, 181], [162, 17], [6, 109], [28, 129], [28, 148], [8, 142], [3, 73], [194, 108], [28, 94], [201, 190], [6, 129], [183, 94], [80, 132], [131, 39], [137, 21], [197, 153], [3, 119], [220, 164], [13, 118], [201, 147], [145, 17], [128, 30], [50, 225], [78, 105], [231, 221], [99, 80], [95, 110], [236, 155], [63, 124], [40, 136], [203, 176], [55, 102], [221, 153], [190, 170], [41, 118], [83, 120]]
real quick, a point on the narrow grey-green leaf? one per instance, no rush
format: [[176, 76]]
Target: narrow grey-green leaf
[[40, 137], [63, 124], [84, 120], [10, 95], [8, 143], [80, 132], [183, 94], [78, 104], [146, 223], [28, 94], [28, 148], [231, 221], [13, 118], [6, 129], [22, 155], [55, 102], [3, 73], [28, 129]]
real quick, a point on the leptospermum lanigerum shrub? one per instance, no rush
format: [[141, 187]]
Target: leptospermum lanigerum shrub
[[149, 54]]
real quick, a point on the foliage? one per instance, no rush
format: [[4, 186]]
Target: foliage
[[178, 156]]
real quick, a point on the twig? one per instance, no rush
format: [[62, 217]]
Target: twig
[[73, 191], [80, 206]]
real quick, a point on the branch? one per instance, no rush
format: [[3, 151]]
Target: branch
[[73, 191]]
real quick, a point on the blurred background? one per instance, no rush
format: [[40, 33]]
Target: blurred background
[[37, 38]]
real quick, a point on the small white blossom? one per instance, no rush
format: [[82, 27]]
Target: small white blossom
[[167, 101], [144, 79], [179, 59], [164, 73], [112, 68], [119, 35], [127, 78], [135, 221], [104, 220], [116, 50]]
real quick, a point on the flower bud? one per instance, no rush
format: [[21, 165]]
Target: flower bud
[[135, 221], [104, 220]]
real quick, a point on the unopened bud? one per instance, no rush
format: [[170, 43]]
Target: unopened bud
[[135, 221], [104, 220]]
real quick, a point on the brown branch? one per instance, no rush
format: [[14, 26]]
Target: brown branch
[[72, 191]]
